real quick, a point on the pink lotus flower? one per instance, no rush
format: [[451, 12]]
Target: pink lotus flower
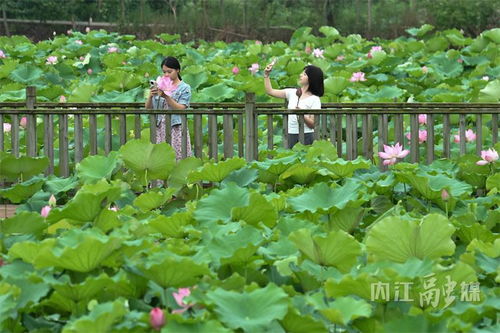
[[374, 49], [87, 29], [485, 78], [79, 42], [340, 58], [422, 119], [23, 122], [488, 156], [89, 71], [69, 32], [62, 99], [308, 49], [445, 195], [425, 69], [258, 42], [113, 208], [112, 49], [179, 298], [7, 127], [254, 68], [422, 136], [52, 60], [358, 76], [2, 55], [157, 318], [318, 53], [45, 211], [166, 84], [52, 201], [392, 153], [460, 60], [235, 70], [82, 58], [470, 136]]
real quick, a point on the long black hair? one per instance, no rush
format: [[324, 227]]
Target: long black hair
[[172, 62], [315, 75]]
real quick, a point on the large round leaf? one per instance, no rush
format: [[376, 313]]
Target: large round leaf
[[26, 73], [149, 161], [94, 168], [252, 311], [398, 239]]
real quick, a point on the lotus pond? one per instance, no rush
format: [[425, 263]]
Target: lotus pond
[[303, 242]]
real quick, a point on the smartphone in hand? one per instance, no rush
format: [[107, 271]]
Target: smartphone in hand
[[152, 83]]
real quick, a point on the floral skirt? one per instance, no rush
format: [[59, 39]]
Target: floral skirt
[[176, 134]]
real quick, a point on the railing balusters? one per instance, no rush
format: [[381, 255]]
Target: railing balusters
[[300, 119], [349, 137], [152, 128], [2, 137], [398, 129], [93, 134], [332, 129], [324, 127], [31, 144], [184, 135], [78, 133], [317, 129], [228, 131], [168, 128], [241, 136], [198, 136], [108, 135], [213, 147], [430, 138], [63, 146], [123, 129], [414, 139], [339, 135], [479, 133], [446, 135], [463, 148], [15, 135], [48, 141], [137, 126]]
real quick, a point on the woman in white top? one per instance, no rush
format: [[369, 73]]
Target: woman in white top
[[311, 89]]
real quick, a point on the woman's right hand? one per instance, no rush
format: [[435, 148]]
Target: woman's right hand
[[153, 91], [268, 70]]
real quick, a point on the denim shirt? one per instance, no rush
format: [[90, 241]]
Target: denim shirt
[[181, 95]]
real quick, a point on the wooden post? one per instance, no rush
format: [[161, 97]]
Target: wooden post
[[250, 139], [463, 148], [479, 133], [31, 121], [430, 138]]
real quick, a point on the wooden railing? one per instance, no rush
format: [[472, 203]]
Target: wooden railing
[[355, 128]]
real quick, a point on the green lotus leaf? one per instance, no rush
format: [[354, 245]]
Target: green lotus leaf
[[398, 240], [85, 290], [113, 59], [219, 204], [419, 32], [278, 165], [321, 150], [218, 92], [120, 80], [236, 246], [195, 80], [87, 203], [294, 322], [329, 32], [83, 93], [359, 285], [437, 44], [493, 182], [338, 248], [385, 94], [493, 35], [100, 319], [170, 270], [448, 68], [242, 177], [216, 172], [345, 168], [57, 185], [8, 66], [153, 199], [258, 210], [321, 197], [149, 161], [179, 175], [23, 223], [346, 219], [22, 191], [346, 309], [94, 168], [299, 174], [76, 250], [209, 326], [335, 85], [26, 73], [171, 226], [23, 167], [251, 311], [491, 92], [377, 57]]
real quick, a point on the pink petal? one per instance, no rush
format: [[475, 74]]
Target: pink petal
[[482, 162], [384, 155]]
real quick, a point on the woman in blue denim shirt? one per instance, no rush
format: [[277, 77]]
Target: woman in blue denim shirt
[[174, 94]]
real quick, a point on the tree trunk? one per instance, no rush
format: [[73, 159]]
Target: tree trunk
[[122, 5], [5, 25], [369, 33]]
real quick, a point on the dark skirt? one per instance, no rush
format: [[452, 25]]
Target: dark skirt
[[294, 138]]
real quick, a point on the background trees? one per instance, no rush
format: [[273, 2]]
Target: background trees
[[232, 20]]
